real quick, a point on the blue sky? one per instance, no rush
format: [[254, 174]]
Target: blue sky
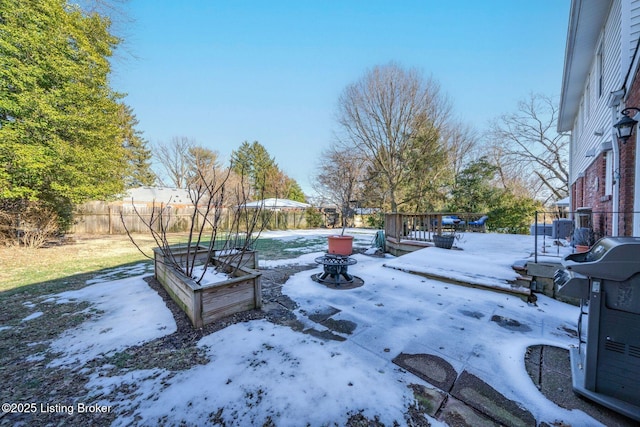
[[222, 71]]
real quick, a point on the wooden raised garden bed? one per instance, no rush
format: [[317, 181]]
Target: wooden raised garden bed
[[204, 303]]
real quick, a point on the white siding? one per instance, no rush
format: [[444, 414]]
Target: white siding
[[599, 119], [634, 26]]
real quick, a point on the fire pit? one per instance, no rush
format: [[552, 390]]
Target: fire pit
[[335, 274]]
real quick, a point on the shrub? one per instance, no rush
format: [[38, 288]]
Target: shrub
[[314, 218], [376, 221], [26, 223]]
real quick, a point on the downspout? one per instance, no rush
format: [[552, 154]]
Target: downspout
[[615, 99], [614, 103], [616, 172]]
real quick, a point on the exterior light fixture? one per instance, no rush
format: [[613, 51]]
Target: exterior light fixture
[[626, 124]]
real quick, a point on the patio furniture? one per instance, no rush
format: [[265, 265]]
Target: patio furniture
[[451, 220], [335, 266], [446, 222], [479, 224]]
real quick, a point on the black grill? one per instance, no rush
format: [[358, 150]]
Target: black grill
[[607, 279]]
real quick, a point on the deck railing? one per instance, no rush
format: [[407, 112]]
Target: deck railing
[[553, 231], [421, 227]]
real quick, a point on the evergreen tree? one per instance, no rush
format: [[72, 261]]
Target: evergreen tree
[[294, 191], [61, 134], [266, 178], [512, 213], [426, 162], [138, 155], [253, 160], [474, 191]]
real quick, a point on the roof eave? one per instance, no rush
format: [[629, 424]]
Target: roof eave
[[586, 19]]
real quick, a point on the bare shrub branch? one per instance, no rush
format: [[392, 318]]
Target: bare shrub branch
[[209, 191]]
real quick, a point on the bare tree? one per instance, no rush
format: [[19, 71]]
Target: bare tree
[[382, 115], [202, 163], [339, 178], [209, 194], [531, 145], [174, 158], [461, 142], [184, 161], [512, 174]]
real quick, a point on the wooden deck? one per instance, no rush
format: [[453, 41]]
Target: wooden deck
[[406, 233]]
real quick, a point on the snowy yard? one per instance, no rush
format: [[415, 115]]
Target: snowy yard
[[259, 371]]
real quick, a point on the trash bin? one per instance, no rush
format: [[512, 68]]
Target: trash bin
[[605, 367], [540, 229], [561, 228]]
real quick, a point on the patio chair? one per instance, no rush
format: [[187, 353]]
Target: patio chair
[[449, 222], [479, 224]]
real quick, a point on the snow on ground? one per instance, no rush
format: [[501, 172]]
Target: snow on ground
[[260, 371], [129, 313], [32, 316], [482, 261], [361, 238], [409, 314], [485, 259]]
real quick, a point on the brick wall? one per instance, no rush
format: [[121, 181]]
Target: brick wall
[[593, 187], [589, 191], [628, 164]]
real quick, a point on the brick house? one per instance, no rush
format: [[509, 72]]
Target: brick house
[[602, 78]]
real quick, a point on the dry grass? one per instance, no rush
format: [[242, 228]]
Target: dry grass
[[79, 256], [26, 275]]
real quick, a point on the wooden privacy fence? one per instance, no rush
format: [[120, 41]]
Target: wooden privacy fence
[[107, 218]]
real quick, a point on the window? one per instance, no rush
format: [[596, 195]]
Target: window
[[581, 118], [587, 98], [608, 177], [600, 70]]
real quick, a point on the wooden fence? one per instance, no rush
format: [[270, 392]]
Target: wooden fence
[[108, 218]]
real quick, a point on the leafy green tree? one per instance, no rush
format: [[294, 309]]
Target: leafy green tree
[[427, 163], [477, 190], [294, 191], [61, 127], [473, 190], [313, 217], [512, 213]]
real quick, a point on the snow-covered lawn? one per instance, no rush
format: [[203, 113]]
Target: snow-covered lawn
[[259, 371]]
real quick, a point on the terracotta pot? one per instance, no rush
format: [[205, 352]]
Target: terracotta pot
[[341, 245], [582, 248]]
